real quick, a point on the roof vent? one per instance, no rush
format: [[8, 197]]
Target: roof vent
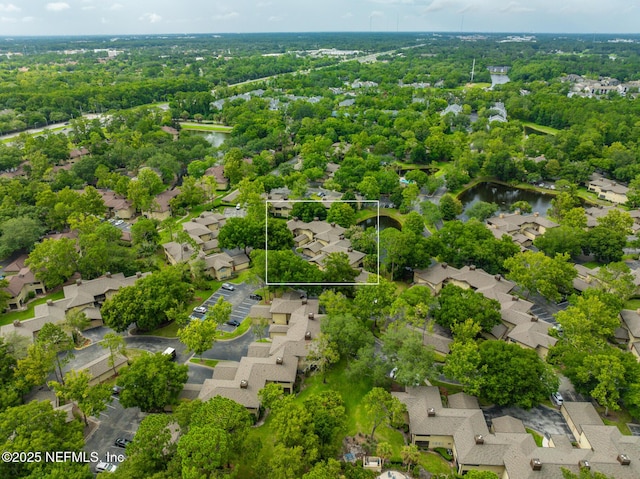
[[193, 219], [279, 360], [472, 267], [79, 281], [444, 265], [533, 318], [479, 438], [244, 384], [349, 250], [536, 464], [333, 225], [498, 277], [501, 215], [108, 274], [515, 298], [307, 335], [584, 464], [311, 316], [431, 412], [304, 300], [624, 460], [638, 311], [201, 215], [138, 274], [49, 302], [16, 323], [536, 214], [185, 247], [315, 218]]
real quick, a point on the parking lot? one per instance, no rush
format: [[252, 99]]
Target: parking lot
[[115, 422], [542, 419], [239, 299]]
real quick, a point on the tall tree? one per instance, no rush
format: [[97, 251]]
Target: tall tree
[[116, 346], [322, 354], [537, 273], [152, 382], [53, 338], [91, 400], [54, 261], [198, 335], [381, 406]]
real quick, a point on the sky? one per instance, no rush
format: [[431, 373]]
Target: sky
[[125, 17]]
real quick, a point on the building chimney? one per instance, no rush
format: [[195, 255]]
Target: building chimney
[[307, 335], [624, 460], [108, 274], [536, 214], [479, 438], [472, 267], [185, 247], [279, 360], [49, 302], [584, 464], [349, 250], [536, 464], [311, 316], [193, 219], [501, 215], [315, 218], [431, 412], [444, 265], [515, 298], [138, 274], [16, 323], [244, 384], [638, 311], [304, 300], [533, 318], [201, 215], [79, 281], [498, 277]]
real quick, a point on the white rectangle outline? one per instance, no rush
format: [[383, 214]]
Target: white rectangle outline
[[266, 249]]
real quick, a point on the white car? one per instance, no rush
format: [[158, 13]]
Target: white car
[[557, 399], [228, 287], [106, 467], [393, 373], [119, 222], [200, 309]]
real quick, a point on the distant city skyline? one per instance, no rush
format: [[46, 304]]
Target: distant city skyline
[[127, 17]]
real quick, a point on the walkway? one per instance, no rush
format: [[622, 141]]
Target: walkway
[[393, 475]]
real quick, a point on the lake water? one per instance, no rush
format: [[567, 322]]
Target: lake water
[[385, 222], [216, 138], [504, 196], [499, 80]]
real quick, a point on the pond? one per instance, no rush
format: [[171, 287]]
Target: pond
[[385, 222], [498, 80], [504, 196], [216, 138]]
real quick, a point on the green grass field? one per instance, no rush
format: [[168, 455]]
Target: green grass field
[[187, 125]]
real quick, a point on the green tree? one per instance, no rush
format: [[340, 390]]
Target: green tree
[[384, 451], [410, 455], [537, 273], [116, 346], [382, 407], [198, 335], [4, 295], [329, 419], [75, 321], [584, 474], [482, 210], [413, 223], [152, 448], [54, 261], [324, 470], [369, 188], [241, 233], [54, 338], [33, 369], [608, 373], [220, 312], [308, 210], [91, 400], [617, 280], [589, 323], [203, 450], [522, 206], [404, 350], [152, 382], [561, 240], [457, 304], [36, 427], [337, 269], [322, 354], [450, 207], [342, 214], [534, 382], [19, 233], [605, 244], [374, 301]]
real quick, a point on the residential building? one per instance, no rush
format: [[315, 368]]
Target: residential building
[[161, 209], [84, 295], [507, 449], [223, 265], [217, 172], [117, 206], [523, 229], [608, 189], [22, 283]]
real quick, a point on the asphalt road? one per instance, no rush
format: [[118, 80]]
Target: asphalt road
[[541, 419], [239, 299]]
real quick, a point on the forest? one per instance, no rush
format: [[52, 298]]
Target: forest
[[122, 115]]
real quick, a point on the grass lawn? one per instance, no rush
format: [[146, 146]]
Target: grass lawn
[[168, 331], [536, 437], [239, 331], [187, 125], [205, 362], [632, 303], [7, 318], [540, 128], [617, 418], [451, 388], [434, 463], [591, 264]]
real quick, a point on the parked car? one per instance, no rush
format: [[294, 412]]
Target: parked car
[[233, 322], [257, 297], [115, 390], [122, 442], [106, 467], [118, 223], [228, 287], [557, 399], [393, 373], [238, 206], [200, 309]]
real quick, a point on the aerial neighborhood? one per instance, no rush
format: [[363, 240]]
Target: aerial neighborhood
[[323, 256]]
